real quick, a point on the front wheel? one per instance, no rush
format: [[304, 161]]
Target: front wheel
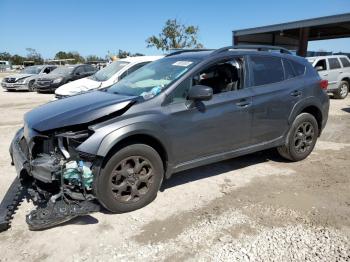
[[31, 86], [130, 179], [301, 138]]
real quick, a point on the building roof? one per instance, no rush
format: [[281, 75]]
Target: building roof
[[326, 27]]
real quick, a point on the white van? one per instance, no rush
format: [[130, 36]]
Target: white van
[[105, 77], [5, 66]]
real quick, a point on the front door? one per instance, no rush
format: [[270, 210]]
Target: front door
[[211, 127]]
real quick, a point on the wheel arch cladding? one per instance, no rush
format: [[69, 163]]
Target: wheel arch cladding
[[139, 139], [316, 112], [346, 79]]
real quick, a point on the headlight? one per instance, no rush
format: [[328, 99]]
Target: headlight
[[57, 80], [21, 81]]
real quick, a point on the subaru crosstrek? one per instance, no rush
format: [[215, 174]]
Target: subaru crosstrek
[[115, 146]]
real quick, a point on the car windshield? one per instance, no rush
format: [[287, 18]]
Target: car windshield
[[153, 78], [63, 70], [106, 73], [32, 70]]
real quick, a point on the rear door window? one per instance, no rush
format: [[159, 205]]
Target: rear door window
[[334, 63], [266, 70], [89, 69], [345, 62]]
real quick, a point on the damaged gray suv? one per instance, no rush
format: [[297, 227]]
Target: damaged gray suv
[[115, 146]]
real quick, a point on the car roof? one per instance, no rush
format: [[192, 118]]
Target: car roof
[[325, 56], [138, 59], [202, 55]]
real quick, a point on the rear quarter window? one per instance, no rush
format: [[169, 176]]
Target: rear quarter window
[[345, 62], [299, 68], [288, 69], [266, 70]]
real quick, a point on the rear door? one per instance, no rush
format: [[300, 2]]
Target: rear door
[[333, 73], [276, 87]]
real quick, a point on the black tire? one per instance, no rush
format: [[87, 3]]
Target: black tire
[[121, 179], [301, 138], [31, 86], [342, 91]]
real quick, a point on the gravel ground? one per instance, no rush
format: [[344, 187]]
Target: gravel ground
[[252, 208]]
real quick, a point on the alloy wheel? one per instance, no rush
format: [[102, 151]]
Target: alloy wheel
[[304, 137], [343, 90], [131, 179]]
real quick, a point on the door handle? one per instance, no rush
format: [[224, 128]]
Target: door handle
[[296, 93], [340, 72], [243, 103], [325, 74]]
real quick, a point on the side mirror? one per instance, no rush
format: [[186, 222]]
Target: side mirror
[[319, 68], [200, 93]]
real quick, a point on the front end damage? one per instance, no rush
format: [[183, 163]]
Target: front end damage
[[54, 175]]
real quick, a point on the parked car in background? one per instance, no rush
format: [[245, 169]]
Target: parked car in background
[[63, 75], [105, 77], [191, 108], [335, 69], [5, 66], [26, 78]]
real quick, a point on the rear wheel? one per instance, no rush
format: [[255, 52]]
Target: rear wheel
[[301, 138], [130, 179], [342, 91]]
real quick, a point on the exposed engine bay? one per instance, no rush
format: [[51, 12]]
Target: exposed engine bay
[[56, 177]]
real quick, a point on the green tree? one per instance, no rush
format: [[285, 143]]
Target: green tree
[[5, 56], [17, 59], [93, 58], [70, 55], [175, 35], [34, 56]]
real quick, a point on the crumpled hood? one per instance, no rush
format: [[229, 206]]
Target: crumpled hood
[[19, 76], [75, 110], [77, 86]]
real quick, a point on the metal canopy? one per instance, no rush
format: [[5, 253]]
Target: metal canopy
[[295, 35]]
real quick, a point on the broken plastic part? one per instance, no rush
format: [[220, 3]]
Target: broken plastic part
[[79, 173], [8, 206], [58, 212]]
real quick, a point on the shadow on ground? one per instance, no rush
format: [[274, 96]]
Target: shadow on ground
[[346, 109], [220, 168]]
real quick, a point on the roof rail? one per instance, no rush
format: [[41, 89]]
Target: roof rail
[[179, 51], [257, 47]]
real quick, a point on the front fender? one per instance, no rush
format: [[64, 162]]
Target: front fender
[[101, 143], [145, 128]]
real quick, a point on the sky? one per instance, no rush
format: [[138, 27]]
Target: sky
[[94, 27]]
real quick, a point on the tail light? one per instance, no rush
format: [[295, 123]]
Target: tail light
[[324, 84]]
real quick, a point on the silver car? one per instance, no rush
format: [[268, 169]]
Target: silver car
[[335, 69], [26, 78]]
